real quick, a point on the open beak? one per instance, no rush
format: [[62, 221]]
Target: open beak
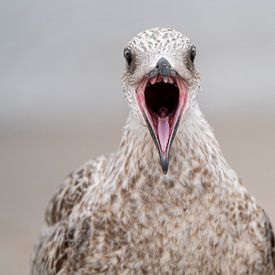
[[161, 97]]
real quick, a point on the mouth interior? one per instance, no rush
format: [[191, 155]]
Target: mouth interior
[[162, 102]]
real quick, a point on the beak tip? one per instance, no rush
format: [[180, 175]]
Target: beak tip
[[164, 165]]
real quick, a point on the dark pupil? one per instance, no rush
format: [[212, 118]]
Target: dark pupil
[[128, 57], [193, 54]]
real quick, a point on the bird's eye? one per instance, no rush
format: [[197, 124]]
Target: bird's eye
[[128, 56], [193, 53]]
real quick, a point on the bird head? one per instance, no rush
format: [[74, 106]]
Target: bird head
[[160, 83]]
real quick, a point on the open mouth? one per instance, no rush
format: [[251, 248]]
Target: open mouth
[[162, 100]]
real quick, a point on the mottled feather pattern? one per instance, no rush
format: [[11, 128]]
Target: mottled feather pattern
[[69, 194], [119, 214]]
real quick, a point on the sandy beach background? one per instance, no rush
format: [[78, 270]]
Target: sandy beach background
[[61, 101]]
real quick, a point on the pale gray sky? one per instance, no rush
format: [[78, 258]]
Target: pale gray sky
[[60, 61]]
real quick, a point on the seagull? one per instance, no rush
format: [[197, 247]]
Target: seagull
[[166, 202]]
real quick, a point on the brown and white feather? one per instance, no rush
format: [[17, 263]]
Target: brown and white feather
[[119, 214]]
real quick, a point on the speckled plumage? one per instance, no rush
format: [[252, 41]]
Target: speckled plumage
[[119, 214]]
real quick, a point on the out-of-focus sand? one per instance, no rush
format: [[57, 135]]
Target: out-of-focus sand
[[32, 165]]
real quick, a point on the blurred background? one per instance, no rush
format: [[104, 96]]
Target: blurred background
[[61, 101]]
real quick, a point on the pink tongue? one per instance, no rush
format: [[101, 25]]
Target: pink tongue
[[163, 130]]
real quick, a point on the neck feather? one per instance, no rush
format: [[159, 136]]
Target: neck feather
[[195, 156]]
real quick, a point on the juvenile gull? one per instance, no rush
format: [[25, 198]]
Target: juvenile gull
[[166, 202]]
